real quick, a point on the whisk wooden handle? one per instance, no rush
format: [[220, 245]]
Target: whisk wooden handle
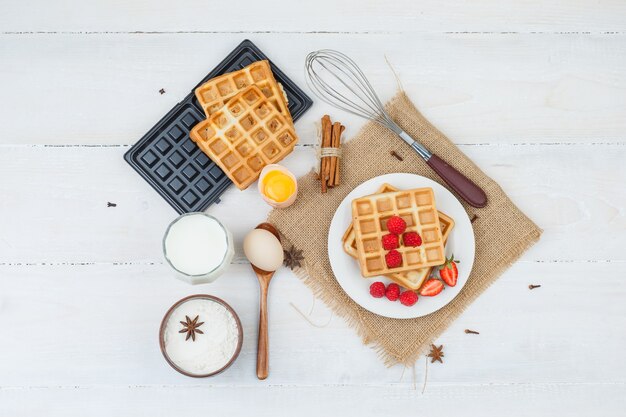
[[464, 187]]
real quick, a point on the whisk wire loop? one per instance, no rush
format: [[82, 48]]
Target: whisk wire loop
[[337, 80]]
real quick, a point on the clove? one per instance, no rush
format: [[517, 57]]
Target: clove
[[468, 331], [395, 155], [533, 286], [109, 204]]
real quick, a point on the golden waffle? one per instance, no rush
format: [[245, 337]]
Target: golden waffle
[[411, 280], [243, 137], [214, 93], [417, 208]]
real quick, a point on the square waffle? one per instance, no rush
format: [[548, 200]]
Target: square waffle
[[411, 280], [244, 136], [214, 93], [417, 208]]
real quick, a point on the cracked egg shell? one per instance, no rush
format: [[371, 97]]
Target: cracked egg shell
[[278, 186]]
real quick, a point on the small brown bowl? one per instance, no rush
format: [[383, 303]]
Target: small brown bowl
[[206, 297]]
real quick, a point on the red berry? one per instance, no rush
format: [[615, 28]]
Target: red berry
[[411, 239], [390, 242], [393, 259], [449, 272], [408, 298], [377, 289], [431, 287], [393, 292], [396, 225]]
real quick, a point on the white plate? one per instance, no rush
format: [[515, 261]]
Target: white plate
[[347, 271]]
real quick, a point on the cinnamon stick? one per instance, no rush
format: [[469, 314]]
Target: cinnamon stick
[[322, 130], [326, 139], [334, 143], [338, 146]]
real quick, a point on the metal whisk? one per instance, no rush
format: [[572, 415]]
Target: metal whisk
[[337, 80]]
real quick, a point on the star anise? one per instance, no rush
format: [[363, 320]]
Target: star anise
[[436, 353], [293, 258], [191, 328]]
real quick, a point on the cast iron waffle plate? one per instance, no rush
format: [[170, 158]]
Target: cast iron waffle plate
[[169, 160]]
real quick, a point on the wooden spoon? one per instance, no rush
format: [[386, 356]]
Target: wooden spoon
[[262, 356]]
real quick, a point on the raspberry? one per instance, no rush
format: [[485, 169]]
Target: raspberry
[[377, 289], [390, 242], [393, 259], [411, 239], [393, 292], [396, 225], [408, 298]]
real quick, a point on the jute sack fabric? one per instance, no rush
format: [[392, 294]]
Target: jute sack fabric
[[503, 233]]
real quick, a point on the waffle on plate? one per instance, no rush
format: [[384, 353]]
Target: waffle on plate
[[417, 208], [409, 279]]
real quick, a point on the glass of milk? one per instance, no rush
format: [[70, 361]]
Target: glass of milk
[[198, 247]]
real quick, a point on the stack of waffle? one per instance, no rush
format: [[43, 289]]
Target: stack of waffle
[[248, 123], [362, 240]]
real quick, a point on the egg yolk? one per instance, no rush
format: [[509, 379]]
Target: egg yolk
[[278, 186]]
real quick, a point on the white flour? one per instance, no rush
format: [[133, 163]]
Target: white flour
[[211, 350]]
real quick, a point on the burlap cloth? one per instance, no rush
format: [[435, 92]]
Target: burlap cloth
[[501, 230]]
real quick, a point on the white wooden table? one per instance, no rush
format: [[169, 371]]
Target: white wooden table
[[535, 92]]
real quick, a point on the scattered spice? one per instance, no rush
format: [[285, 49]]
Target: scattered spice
[[109, 204], [191, 328], [395, 155], [474, 217], [293, 257], [533, 286], [468, 331], [162, 91], [436, 353]]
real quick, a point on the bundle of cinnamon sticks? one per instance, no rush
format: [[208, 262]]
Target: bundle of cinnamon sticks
[[329, 164]]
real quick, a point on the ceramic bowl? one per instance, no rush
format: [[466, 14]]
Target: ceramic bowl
[[164, 325]]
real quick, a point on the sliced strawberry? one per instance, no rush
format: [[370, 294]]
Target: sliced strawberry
[[449, 272], [431, 287]]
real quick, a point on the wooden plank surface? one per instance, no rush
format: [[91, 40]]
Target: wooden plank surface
[[533, 92], [107, 316], [368, 16], [515, 400], [103, 320], [477, 88], [546, 181]]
